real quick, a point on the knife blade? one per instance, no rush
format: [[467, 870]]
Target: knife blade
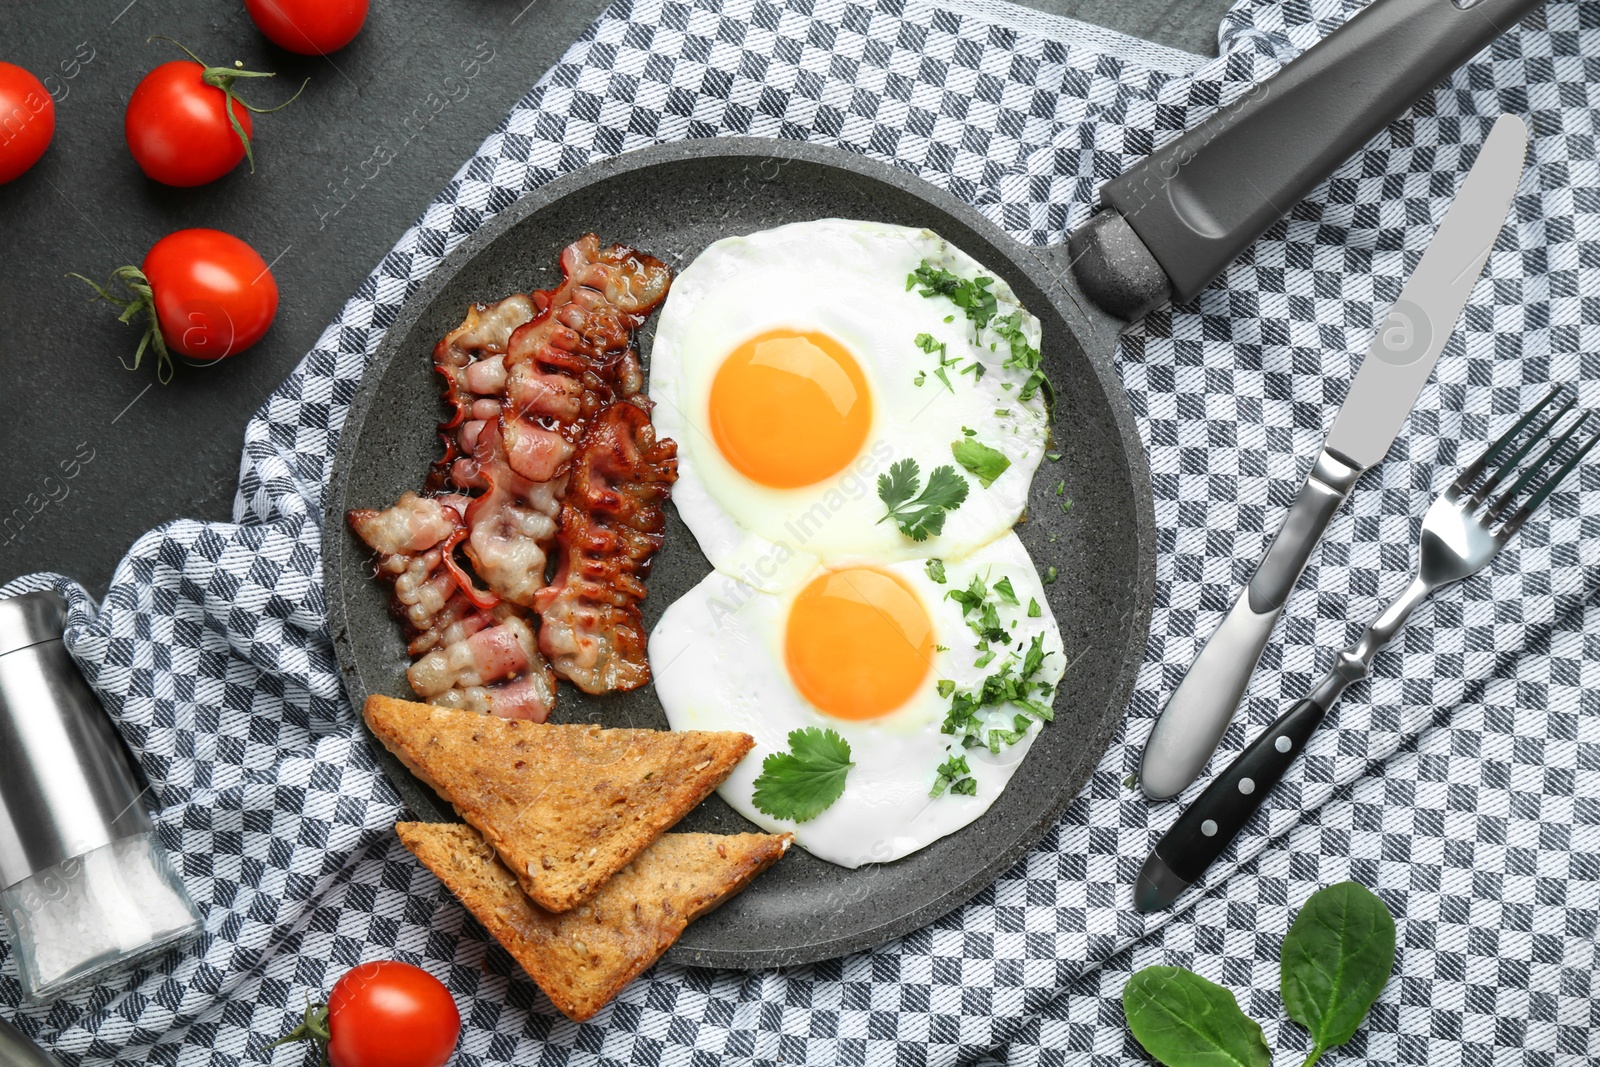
[[1392, 374]]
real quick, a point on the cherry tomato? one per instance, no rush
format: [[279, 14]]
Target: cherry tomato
[[214, 296], [309, 27], [391, 1014], [27, 121], [178, 129]]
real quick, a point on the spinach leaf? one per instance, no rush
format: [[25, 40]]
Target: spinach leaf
[[1185, 1021], [1336, 960]]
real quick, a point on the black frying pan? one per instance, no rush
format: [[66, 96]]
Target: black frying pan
[[1167, 228]]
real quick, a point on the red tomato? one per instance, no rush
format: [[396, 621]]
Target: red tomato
[[27, 121], [309, 27], [178, 129], [391, 1014], [214, 295]]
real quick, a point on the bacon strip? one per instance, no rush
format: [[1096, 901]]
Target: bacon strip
[[611, 526], [446, 624], [548, 448]]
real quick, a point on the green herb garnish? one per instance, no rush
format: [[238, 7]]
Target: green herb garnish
[[1033, 608], [1006, 593], [985, 463], [801, 783], [954, 775], [920, 516], [935, 569], [973, 297]]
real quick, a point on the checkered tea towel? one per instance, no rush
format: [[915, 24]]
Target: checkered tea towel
[[1463, 783]]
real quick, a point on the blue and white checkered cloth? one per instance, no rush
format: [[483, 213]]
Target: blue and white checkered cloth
[[1463, 784]]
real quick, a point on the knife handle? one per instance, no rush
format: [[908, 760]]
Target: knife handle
[[1188, 729], [1194, 205], [1206, 828]]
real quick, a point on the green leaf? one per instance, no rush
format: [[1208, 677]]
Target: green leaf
[[801, 783], [1185, 1021], [1007, 594], [1336, 960], [920, 516], [935, 569], [1033, 609], [970, 598], [900, 484], [951, 774]]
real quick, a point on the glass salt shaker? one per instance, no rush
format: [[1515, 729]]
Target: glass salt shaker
[[85, 885]]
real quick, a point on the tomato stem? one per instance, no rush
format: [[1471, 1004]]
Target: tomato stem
[[223, 78], [314, 1028], [141, 302]]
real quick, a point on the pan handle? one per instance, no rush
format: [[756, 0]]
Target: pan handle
[[1178, 218]]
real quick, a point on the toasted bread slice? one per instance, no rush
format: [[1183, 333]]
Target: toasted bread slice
[[565, 806], [583, 957]]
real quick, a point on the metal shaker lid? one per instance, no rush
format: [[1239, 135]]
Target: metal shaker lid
[[31, 619], [66, 784]]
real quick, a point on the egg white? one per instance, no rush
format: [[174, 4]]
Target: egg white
[[848, 280], [718, 658]]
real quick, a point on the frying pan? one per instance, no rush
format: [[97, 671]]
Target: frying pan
[[1164, 231]]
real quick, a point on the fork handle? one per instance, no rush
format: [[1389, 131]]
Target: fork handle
[[1204, 831], [1194, 719]]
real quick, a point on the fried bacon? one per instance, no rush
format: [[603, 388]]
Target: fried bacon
[[458, 631], [548, 450], [611, 525]]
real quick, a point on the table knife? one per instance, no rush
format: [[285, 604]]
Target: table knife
[[1392, 374]]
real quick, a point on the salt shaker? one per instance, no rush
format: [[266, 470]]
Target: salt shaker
[[85, 885]]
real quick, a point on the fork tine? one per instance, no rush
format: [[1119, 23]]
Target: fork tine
[[1505, 500], [1522, 515], [1506, 440]]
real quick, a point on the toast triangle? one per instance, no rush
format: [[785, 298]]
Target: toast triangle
[[565, 806], [584, 957]]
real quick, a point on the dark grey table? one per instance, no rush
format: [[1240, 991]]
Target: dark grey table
[[142, 454]]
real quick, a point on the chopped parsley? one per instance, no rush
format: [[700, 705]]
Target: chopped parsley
[[1033, 608], [1007, 594], [954, 775], [970, 598], [920, 515], [1053, 457], [935, 569], [1066, 506], [983, 462], [800, 784], [975, 297], [1050, 575], [926, 342]]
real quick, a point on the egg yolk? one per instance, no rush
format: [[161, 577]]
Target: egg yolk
[[858, 644], [790, 408]]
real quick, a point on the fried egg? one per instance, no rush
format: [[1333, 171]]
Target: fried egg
[[880, 654], [797, 365]]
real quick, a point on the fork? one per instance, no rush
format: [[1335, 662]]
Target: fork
[[1463, 531]]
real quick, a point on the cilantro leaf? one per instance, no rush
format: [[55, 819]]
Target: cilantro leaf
[[970, 598], [988, 625], [972, 297], [801, 783], [951, 774], [935, 569], [1033, 609], [984, 462], [1007, 594], [920, 516], [899, 485], [1034, 658]]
